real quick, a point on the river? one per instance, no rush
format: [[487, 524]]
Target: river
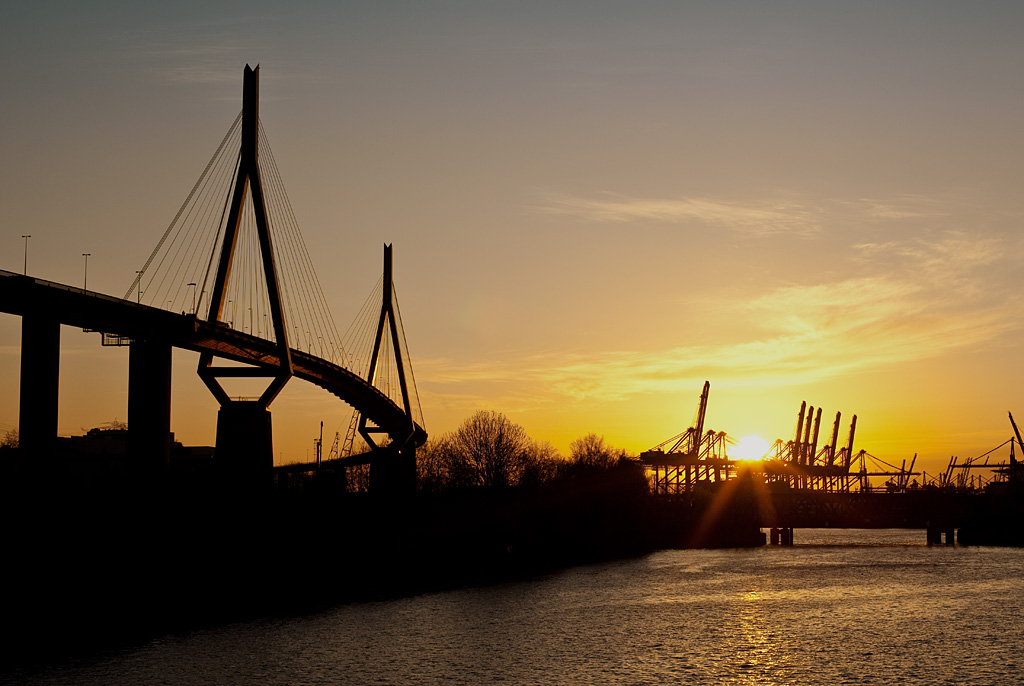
[[838, 607]]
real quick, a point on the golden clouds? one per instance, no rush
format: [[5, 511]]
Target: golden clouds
[[930, 297]]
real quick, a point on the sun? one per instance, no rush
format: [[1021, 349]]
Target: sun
[[750, 448]]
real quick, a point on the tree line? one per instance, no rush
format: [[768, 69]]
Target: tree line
[[488, 450]]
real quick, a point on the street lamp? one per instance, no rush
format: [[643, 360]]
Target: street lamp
[[85, 281], [193, 287], [139, 296], [26, 253]]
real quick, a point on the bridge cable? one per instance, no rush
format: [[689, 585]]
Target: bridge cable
[[138, 277]]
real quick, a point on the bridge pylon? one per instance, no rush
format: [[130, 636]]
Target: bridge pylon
[[394, 468], [244, 440]]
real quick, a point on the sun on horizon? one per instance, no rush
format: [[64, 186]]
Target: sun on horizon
[[750, 447]]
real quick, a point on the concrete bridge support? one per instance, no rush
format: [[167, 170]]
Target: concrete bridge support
[[149, 404], [393, 472], [245, 446], [40, 383], [935, 533]]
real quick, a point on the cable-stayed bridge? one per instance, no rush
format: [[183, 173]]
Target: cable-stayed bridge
[[231, 279]]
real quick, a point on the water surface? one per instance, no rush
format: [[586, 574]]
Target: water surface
[[839, 607]]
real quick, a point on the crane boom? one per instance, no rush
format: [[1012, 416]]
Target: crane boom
[[701, 411], [1019, 441]]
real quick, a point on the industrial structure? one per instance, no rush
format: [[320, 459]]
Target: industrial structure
[[696, 456], [799, 484]]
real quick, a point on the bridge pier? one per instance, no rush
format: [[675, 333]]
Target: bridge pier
[[782, 536], [149, 404], [935, 533], [40, 384], [245, 446], [394, 472]]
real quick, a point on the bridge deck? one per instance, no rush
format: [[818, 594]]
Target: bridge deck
[[29, 296]]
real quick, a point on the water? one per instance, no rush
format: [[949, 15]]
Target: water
[[839, 607]]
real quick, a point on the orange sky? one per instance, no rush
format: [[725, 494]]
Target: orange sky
[[594, 206]]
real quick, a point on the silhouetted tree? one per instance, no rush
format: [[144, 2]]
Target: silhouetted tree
[[543, 463], [493, 447], [430, 475], [591, 452], [359, 478], [441, 465], [10, 439]]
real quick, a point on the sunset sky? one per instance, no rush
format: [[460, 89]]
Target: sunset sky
[[595, 206]]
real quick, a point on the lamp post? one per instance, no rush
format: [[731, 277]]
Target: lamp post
[[85, 281], [139, 296], [193, 287], [26, 253]]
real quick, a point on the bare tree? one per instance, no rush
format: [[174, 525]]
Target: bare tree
[[592, 452], [543, 462], [494, 447], [430, 476], [441, 465]]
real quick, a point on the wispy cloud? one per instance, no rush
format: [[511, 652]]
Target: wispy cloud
[[202, 64], [788, 215], [899, 207], [933, 301], [211, 52], [762, 219]]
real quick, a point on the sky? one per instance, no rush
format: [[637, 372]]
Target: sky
[[595, 206]]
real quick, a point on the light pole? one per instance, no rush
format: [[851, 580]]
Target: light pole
[[85, 281], [193, 287], [26, 253], [139, 296]]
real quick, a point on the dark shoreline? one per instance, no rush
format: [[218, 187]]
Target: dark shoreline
[[126, 560], [103, 559]]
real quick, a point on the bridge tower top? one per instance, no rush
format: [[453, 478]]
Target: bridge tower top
[[388, 324], [248, 179]]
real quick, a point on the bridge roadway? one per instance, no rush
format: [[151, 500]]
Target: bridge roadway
[[26, 295]]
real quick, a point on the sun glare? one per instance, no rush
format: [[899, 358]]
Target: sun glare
[[750, 448]]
